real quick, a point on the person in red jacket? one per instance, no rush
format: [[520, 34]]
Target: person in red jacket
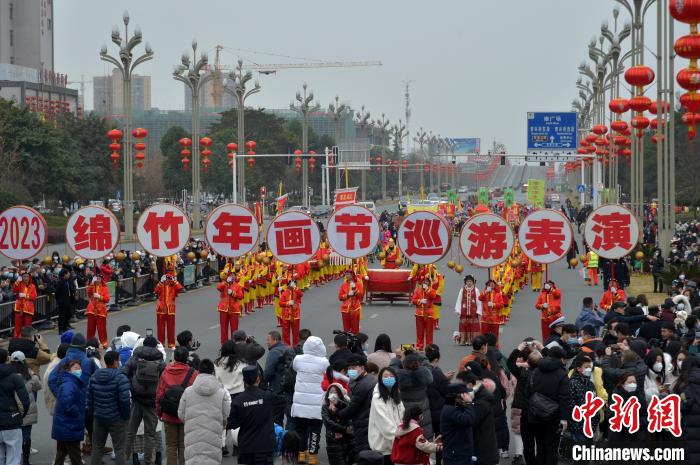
[[177, 373], [25, 293], [167, 291], [230, 297], [290, 301], [423, 298], [410, 444], [612, 295], [350, 295], [549, 304], [98, 295], [492, 303], [336, 374], [106, 271]]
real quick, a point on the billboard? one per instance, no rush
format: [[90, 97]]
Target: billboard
[[467, 145]]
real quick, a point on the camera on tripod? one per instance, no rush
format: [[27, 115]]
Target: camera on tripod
[[353, 341]]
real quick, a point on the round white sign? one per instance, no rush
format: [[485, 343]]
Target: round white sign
[[23, 232], [612, 231], [163, 229], [545, 236], [353, 231], [424, 237], [92, 232], [486, 240], [232, 230], [293, 237]]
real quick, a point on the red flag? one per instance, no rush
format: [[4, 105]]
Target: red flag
[[281, 202]]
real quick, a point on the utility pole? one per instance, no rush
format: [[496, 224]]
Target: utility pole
[[304, 108], [362, 119], [338, 111]]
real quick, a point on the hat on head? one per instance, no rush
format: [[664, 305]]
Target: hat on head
[[150, 341], [78, 341], [67, 337], [617, 305], [558, 322], [250, 374], [456, 389], [340, 340], [17, 356], [469, 278], [357, 360]]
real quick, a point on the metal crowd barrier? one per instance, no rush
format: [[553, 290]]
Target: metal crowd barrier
[[128, 291]]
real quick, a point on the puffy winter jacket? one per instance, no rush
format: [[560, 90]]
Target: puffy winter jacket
[[11, 388], [204, 409], [485, 443], [358, 409], [384, 418], [690, 416], [173, 375], [87, 365], [69, 417], [109, 395], [456, 424], [49, 398], [145, 395], [414, 391], [37, 354], [310, 368], [338, 441]]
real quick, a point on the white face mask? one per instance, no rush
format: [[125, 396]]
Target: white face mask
[[489, 288], [333, 397], [587, 371], [613, 289], [679, 363], [229, 279], [547, 287], [425, 286], [657, 367], [631, 387]]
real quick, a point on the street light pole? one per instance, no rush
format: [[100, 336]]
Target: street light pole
[[126, 63], [422, 139], [304, 108], [338, 111], [399, 131], [194, 75], [362, 118], [236, 86]]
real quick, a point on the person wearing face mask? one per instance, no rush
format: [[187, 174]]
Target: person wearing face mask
[[457, 423], [627, 387], [230, 297], [167, 291], [290, 301], [69, 416], [106, 270], [25, 293], [491, 303], [385, 413], [338, 432], [362, 388], [612, 295], [350, 294], [391, 255], [655, 379], [469, 308], [581, 382], [423, 298], [657, 269], [549, 305]]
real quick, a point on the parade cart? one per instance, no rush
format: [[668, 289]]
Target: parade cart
[[389, 285]]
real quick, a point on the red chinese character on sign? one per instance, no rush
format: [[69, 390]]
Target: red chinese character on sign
[[353, 225], [233, 230], [154, 224], [95, 234], [625, 414], [612, 231], [587, 411], [293, 237], [488, 240], [545, 236], [665, 414], [423, 237]]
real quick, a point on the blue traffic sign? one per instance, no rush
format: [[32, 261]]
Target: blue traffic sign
[[581, 188], [549, 132]]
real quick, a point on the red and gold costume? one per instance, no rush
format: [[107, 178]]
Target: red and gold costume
[[230, 298], [350, 295], [549, 304], [491, 305], [98, 293], [25, 292], [535, 270], [290, 301], [391, 254], [423, 298], [167, 291], [610, 297], [469, 309]]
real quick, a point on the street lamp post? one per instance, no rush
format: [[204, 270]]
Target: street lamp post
[[193, 73], [305, 107], [362, 119], [126, 63], [399, 132], [236, 85], [383, 129], [338, 110], [422, 139]]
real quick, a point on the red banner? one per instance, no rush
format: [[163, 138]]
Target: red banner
[[345, 197], [281, 202]]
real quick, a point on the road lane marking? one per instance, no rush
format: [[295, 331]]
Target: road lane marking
[[373, 316], [214, 327]]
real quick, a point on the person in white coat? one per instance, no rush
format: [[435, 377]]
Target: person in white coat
[[308, 398], [204, 409], [385, 414]]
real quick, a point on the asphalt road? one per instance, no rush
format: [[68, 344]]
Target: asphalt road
[[197, 312]]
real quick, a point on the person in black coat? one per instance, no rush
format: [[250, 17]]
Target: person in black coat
[[65, 298], [615, 269], [528, 351], [338, 432], [657, 269], [437, 390], [252, 412], [485, 442], [688, 387], [12, 389], [414, 379], [457, 421], [572, 253], [651, 329], [357, 411]]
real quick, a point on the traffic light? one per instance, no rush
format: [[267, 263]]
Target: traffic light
[[503, 161]]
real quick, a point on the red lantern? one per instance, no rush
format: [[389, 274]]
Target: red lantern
[[139, 155], [312, 163], [206, 162], [619, 140], [691, 101], [426, 167], [251, 163], [231, 156], [205, 141], [591, 138], [582, 150], [655, 123], [591, 148], [618, 126], [626, 153], [688, 46], [685, 11], [404, 165], [618, 105], [297, 152], [655, 105], [115, 146], [139, 146], [114, 134], [231, 147], [139, 165], [139, 133], [600, 141], [297, 163], [185, 163], [639, 76], [115, 159], [378, 162], [251, 144], [655, 138], [185, 142], [185, 153], [206, 153], [584, 143], [639, 103], [600, 129], [312, 152], [689, 78], [640, 122]]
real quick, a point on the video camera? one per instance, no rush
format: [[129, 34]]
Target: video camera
[[353, 341]]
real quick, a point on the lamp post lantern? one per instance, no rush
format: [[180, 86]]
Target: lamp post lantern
[[305, 107], [126, 63]]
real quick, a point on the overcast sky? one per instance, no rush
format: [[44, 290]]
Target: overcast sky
[[477, 66]]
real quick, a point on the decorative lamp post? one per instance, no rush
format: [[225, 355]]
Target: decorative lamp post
[[194, 75], [126, 64], [338, 110], [362, 119], [236, 85], [305, 107]]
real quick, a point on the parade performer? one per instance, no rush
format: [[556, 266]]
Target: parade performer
[[423, 298], [592, 265], [469, 309], [508, 289], [612, 295], [439, 285], [535, 270], [230, 298], [98, 293], [350, 295], [167, 291], [25, 292], [290, 301], [549, 304], [491, 305], [391, 254]]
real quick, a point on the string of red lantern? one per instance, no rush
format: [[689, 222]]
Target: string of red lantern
[[688, 11], [139, 133], [115, 136]]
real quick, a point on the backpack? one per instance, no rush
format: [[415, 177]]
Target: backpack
[[288, 376], [170, 402], [146, 378]]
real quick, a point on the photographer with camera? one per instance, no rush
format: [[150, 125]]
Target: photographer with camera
[[32, 345], [186, 339], [342, 352]]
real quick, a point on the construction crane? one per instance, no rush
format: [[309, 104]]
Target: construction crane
[[267, 69]]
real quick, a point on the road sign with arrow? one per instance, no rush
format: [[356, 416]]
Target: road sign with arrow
[[551, 132]]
